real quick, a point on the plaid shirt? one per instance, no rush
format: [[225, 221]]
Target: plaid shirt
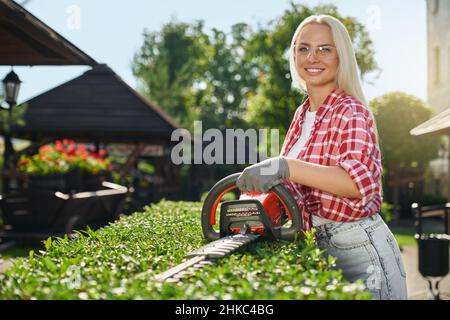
[[342, 135]]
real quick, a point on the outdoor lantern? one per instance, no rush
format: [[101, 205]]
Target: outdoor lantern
[[11, 86]]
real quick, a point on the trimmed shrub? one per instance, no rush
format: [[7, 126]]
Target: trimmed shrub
[[119, 261]]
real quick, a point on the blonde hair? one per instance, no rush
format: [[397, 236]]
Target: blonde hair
[[348, 72]]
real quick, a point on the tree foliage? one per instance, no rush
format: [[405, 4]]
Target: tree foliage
[[170, 64], [196, 76], [396, 114], [227, 81]]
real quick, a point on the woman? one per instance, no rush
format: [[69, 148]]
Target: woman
[[331, 163]]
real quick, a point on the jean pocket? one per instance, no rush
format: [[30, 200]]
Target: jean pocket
[[350, 238], [397, 254]]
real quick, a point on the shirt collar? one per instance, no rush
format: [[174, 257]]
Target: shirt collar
[[327, 104]]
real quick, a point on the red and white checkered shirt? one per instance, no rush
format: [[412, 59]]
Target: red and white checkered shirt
[[343, 135]]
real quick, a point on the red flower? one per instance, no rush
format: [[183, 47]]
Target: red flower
[[64, 155], [95, 155], [45, 148], [59, 145]]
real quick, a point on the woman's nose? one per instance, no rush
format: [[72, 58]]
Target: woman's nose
[[312, 56]]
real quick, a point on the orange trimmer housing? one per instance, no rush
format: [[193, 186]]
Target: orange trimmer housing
[[273, 206], [254, 212], [260, 213]]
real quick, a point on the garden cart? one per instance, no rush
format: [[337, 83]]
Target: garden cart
[[34, 215]]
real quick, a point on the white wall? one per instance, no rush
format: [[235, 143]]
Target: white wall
[[438, 33]]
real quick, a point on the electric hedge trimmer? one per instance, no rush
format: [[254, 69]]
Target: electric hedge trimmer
[[274, 215]]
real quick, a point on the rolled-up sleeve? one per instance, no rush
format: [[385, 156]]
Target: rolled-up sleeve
[[360, 157]]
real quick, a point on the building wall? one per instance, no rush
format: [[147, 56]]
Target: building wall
[[438, 88], [438, 33]]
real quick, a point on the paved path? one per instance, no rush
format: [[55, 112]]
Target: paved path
[[417, 285], [4, 264]]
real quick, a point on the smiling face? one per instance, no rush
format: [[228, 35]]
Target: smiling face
[[316, 58]]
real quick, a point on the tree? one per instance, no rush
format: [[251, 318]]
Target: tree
[[170, 65], [401, 149], [396, 114], [196, 76], [221, 103]]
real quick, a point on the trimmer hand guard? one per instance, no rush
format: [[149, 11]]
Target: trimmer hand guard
[[236, 214]]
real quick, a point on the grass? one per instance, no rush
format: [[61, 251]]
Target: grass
[[16, 252], [404, 236]]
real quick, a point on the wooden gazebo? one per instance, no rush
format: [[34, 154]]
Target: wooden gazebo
[[100, 107], [96, 106]]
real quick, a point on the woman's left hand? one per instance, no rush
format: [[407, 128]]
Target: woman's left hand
[[262, 176]]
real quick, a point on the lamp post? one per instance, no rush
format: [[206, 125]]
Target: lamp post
[[11, 86]]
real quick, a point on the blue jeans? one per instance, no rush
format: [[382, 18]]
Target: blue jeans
[[366, 249]]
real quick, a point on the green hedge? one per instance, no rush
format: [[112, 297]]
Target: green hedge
[[108, 264]]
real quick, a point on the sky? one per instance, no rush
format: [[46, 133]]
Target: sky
[[111, 32]]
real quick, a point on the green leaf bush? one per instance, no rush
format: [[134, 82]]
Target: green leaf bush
[[119, 261]]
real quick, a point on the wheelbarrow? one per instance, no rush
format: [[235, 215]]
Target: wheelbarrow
[[37, 214]]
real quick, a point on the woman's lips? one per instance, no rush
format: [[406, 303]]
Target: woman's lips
[[314, 71]]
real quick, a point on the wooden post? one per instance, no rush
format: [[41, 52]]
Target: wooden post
[[132, 158], [97, 145]]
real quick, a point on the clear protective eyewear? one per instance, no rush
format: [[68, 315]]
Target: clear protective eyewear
[[321, 52]]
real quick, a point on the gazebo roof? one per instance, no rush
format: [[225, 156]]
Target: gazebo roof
[[439, 124], [26, 40], [98, 105]]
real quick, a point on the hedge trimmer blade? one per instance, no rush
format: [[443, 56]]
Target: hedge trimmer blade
[[206, 255], [240, 222]]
